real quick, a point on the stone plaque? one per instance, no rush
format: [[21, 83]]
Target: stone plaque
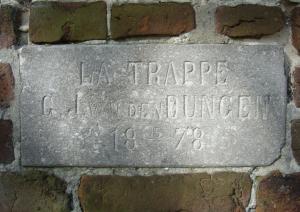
[[152, 105]]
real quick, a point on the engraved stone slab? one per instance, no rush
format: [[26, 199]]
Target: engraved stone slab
[[152, 105]]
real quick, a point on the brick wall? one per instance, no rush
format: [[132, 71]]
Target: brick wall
[[22, 23]]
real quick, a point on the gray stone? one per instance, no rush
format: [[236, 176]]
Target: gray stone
[[152, 105]]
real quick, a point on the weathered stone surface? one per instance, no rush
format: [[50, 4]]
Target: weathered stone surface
[[164, 19], [152, 105], [279, 193], [190, 192], [7, 34], [52, 22], [33, 191], [296, 139], [6, 142], [296, 28], [6, 85], [248, 20]]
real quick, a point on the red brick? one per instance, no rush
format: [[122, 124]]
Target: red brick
[[296, 154], [248, 20], [224, 191], [288, 4], [296, 86], [296, 95], [297, 75], [296, 28], [64, 22], [295, 130], [6, 142], [31, 192], [7, 34], [279, 193], [6, 85], [161, 19]]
